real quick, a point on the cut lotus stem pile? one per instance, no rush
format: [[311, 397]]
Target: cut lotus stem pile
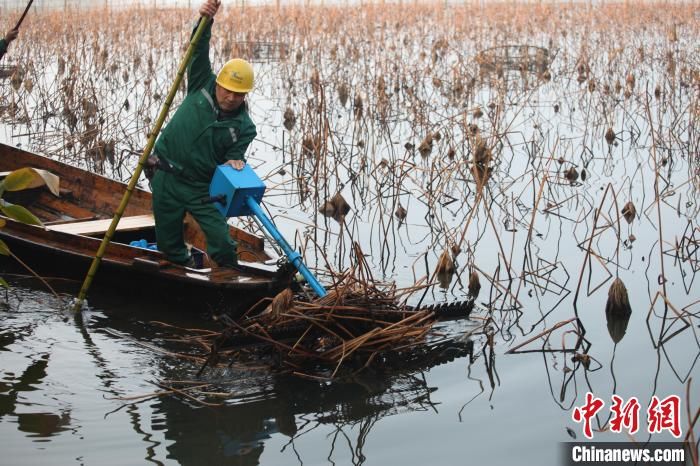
[[355, 323]]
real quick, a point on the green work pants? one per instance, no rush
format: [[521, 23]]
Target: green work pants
[[172, 198]]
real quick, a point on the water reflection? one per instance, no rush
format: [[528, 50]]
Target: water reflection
[[13, 389], [30, 378], [43, 424], [617, 323], [295, 407]]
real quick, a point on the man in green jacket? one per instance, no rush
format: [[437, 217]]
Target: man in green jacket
[[211, 127], [9, 37]]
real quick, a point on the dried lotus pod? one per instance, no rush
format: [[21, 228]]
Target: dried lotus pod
[[445, 264], [401, 213], [343, 94], [358, 106], [610, 136], [482, 153], [327, 209], [445, 269], [474, 284], [335, 207], [281, 303], [290, 119], [629, 211], [308, 146], [617, 310], [426, 146], [16, 80], [571, 174]]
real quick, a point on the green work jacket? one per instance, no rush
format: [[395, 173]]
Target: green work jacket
[[199, 137], [3, 47]]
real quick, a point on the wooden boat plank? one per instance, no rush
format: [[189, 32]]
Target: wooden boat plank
[[94, 227]]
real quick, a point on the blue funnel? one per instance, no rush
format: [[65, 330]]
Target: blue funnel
[[240, 193]]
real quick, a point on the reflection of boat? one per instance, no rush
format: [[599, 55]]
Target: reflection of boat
[[77, 219]]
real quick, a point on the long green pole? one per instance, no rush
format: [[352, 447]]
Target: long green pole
[[19, 23], [144, 157]]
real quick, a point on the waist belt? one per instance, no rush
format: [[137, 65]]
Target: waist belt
[[162, 164], [156, 163]]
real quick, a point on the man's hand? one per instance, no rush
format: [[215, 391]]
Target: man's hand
[[11, 35], [209, 8], [237, 164]]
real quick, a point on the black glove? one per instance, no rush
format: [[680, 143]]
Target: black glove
[[150, 167]]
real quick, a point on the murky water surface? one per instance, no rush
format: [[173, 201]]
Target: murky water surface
[[69, 396]]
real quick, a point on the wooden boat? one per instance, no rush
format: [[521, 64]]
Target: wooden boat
[[76, 220]]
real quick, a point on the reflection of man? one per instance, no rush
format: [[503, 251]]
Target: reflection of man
[[210, 128], [5, 42]]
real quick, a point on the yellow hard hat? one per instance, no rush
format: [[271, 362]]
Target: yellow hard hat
[[236, 76]]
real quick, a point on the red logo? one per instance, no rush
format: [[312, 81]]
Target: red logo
[[661, 414]]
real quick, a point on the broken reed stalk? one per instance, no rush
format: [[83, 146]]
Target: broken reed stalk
[[597, 213], [539, 335], [535, 209], [184, 394], [657, 200]]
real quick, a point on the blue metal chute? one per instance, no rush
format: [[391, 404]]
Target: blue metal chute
[[239, 193]]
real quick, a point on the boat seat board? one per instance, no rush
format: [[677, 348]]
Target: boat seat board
[[93, 227]]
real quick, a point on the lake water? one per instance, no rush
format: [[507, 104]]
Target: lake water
[[61, 378]]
